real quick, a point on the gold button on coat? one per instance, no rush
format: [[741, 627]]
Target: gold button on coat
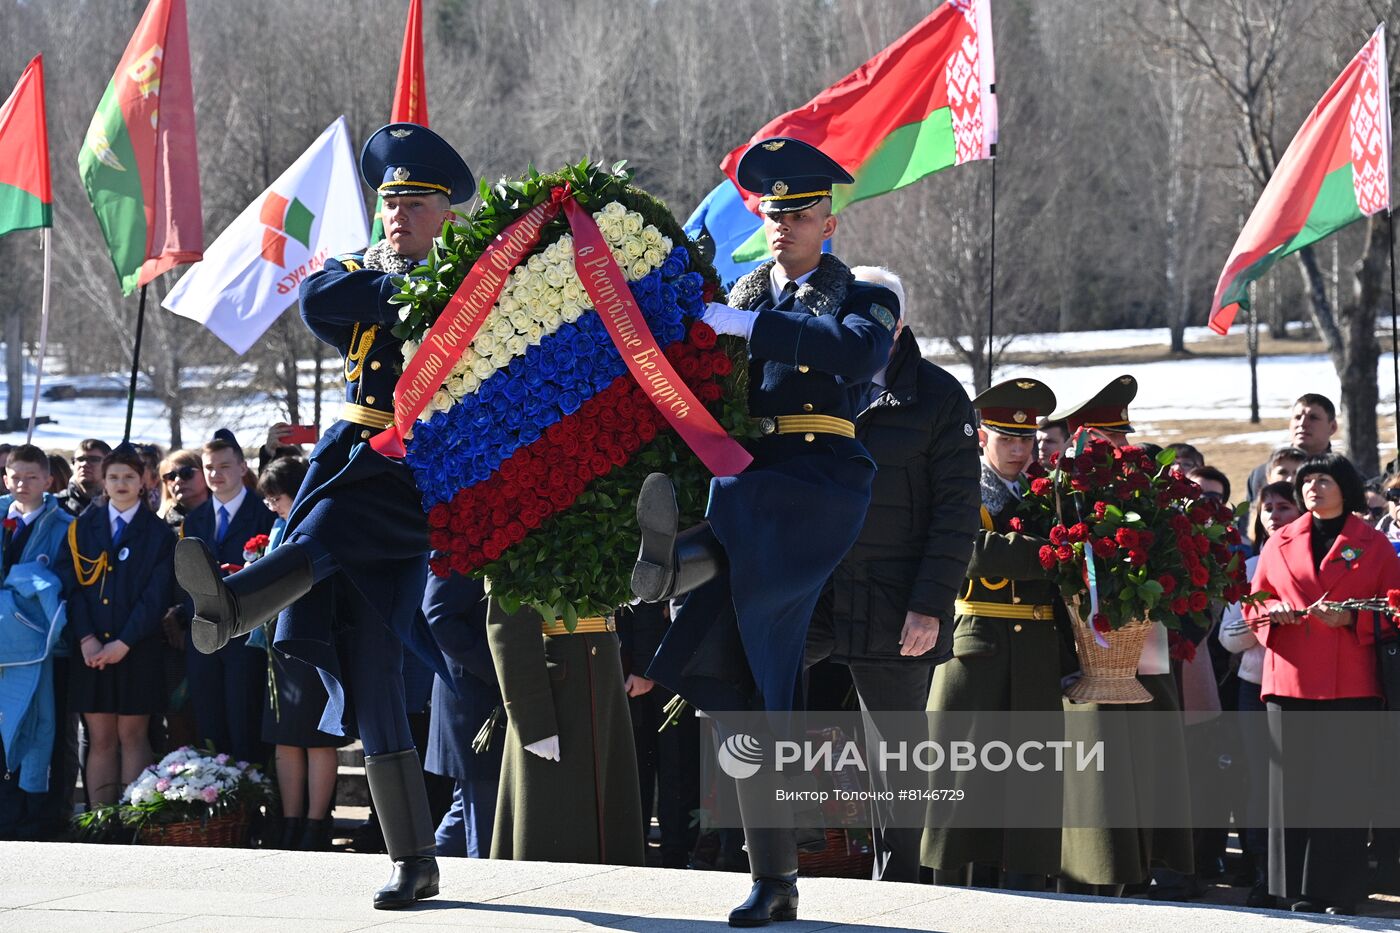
[[369, 399], [593, 650], [807, 406], [375, 364], [1016, 627], [809, 437], [803, 368], [364, 435]]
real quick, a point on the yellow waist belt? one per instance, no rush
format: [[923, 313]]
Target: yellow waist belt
[[807, 424], [369, 417], [966, 607], [584, 626]]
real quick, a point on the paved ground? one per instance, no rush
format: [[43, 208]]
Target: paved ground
[[114, 889]]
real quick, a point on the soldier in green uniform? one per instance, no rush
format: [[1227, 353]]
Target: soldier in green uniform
[[1095, 859], [1009, 639]]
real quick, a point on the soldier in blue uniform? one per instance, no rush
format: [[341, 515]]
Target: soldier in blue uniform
[[751, 574], [356, 543]]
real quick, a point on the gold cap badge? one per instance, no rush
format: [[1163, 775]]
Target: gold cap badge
[[400, 174], [401, 133], [1025, 384], [775, 145], [1020, 417], [780, 188]]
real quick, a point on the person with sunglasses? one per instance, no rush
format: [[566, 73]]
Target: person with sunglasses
[[182, 487], [86, 485]]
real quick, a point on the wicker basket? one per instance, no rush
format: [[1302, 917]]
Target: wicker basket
[[1110, 674], [846, 855], [228, 830]]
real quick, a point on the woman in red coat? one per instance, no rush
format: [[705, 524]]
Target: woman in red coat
[[1318, 660]]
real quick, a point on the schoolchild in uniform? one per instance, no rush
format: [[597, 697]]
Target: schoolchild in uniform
[[306, 756], [226, 687], [120, 557]]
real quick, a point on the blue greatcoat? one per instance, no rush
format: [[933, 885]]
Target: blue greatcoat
[[786, 522], [128, 601], [32, 619], [360, 506]]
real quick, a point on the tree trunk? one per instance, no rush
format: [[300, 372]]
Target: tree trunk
[[290, 381], [1360, 388], [175, 402]]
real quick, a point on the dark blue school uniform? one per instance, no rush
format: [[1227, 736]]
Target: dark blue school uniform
[[123, 601], [360, 516], [455, 608], [227, 687], [787, 521]]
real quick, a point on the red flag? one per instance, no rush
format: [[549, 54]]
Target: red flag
[[139, 161], [26, 196], [411, 89]]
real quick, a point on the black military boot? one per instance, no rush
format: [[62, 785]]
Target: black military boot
[[773, 865], [671, 562], [226, 607], [401, 800]]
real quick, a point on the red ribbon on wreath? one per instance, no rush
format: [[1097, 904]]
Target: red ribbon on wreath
[[460, 321]]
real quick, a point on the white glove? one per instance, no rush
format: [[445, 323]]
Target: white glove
[[727, 320], [548, 749]]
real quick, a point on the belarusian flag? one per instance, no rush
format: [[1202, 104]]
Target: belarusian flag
[[410, 90], [26, 196], [139, 161], [920, 105], [1336, 171], [253, 271]]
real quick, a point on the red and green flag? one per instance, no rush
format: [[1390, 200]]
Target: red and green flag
[[922, 104], [26, 195], [139, 163], [410, 91], [1336, 171]]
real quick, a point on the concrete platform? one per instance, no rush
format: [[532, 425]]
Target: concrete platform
[[115, 889]]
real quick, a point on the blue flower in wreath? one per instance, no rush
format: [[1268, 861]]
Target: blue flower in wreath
[[675, 264]]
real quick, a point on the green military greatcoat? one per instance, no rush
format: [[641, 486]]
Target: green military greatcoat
[[586, 807], [1009, 650]]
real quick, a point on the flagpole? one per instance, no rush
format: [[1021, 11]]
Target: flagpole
[[46, 244], [135, 363], [992, 284], [1394, 329]]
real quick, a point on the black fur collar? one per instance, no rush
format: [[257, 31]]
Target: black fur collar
[[822, 293]]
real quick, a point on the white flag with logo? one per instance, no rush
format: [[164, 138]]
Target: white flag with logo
[[253, 271]]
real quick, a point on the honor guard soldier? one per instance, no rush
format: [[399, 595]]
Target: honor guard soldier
[[1009, 647], [752, 573], [356, 542], [1096, 860]]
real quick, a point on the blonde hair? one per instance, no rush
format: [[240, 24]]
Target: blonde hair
[[176, 458]]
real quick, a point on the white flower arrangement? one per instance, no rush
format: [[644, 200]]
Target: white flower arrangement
[[541, 295]]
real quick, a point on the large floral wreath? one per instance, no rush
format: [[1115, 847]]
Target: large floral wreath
[[530, 454]]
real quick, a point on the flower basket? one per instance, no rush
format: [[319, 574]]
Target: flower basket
[[1110, 673], [540, 431], [228, 830], [848, 854]]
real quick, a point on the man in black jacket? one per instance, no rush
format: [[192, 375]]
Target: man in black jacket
[[887, 611]]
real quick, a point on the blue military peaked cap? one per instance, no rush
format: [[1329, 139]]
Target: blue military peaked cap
[[405, 158], [788, 174]]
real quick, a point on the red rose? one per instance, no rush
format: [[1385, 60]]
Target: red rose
[[1128, 537], [702, 335], [1232, 535], [709, 392], [492, 550], [516, 530], [439, 540], [688, 368], [1168, 583], [1015, 524], [599, 463], [1079, 532], [530, 518], [1058, 535], [560, 498], [460, 563], [255, 543], [1136, 557], [722, 364], [1100, 510], [1179, 648], [1041, 486], [1180, 606], [1105, 547], [1392, 599], [708, 292], [1047, 560], [1200, 576], [1101, 624], [439, 566], [1199, 602], [1064, 553], [647, 431]]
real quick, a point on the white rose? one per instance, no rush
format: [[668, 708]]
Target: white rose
[[550, 255], [633, 248], [410, 347], [651, 235], [538, 286], [456, 388], [566, 248], [639, 270], [502, 328], [535, 334], [612, 230], [535, 264], [666, 245], [615, 209], [632, 222], [502, 357], [551, 320], [654, 257], [570, 313], [483, 345], [470, 383], [516, 345], [572, 292], [483, 368], [552, 299], [507, 304], [555, 277]]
